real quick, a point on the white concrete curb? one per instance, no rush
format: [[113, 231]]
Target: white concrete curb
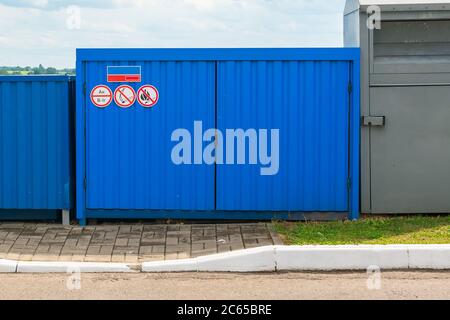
[[329, 258], [69, 267], [313, 258], [251, 260], [267, 259], [426, 257], [8, 266]]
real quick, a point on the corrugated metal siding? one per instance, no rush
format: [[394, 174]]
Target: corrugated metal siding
[[125, 155], [34, 143], [128, 151], [309, 103]]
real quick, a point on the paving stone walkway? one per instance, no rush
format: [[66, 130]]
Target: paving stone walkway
[[128, 243]]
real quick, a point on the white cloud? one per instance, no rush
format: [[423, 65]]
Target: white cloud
[[34, 31], [208, 5], [57, 4]]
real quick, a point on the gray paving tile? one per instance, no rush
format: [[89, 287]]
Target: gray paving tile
[[128, 243]]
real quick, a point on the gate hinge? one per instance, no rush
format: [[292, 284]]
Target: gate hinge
[[84, 88], [85, 183], [350, 87], [349, 183]]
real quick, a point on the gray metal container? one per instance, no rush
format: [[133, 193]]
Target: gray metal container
[[405, 104]]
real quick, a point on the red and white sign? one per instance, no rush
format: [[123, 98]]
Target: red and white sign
[[125, 96], [148, 96], [101, 96]]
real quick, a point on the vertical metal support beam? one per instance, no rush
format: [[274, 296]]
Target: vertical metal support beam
[[80, 142], [355, 140], [66, 217]]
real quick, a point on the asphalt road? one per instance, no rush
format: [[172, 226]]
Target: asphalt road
[[292, 286]]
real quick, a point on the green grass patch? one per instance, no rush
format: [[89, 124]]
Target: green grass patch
[[380, 230]]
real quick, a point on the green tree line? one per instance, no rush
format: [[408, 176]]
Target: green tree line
[[34, 70]]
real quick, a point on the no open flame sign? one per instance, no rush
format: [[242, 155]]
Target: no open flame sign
[[148, 96]]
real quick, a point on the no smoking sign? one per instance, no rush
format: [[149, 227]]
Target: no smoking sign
[[148, 96], [125, 96]]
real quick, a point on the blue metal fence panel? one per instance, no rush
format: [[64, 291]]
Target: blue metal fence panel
[[302, 92], [128, 151], [29, 215], [309, 103], [35, 142]]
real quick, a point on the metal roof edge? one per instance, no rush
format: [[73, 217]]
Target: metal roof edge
[[217, 54], [398, 5], [14, 78]]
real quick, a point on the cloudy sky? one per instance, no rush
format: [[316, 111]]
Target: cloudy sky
[[48, 31]]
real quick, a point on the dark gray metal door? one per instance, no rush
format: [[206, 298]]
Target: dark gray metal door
[[410, 154]]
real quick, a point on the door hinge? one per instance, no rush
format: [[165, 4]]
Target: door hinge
[[84, 88], [349, 183], [85, 183], [350, 87]]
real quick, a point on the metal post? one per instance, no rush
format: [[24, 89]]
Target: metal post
[[66, 217], [83, 222]]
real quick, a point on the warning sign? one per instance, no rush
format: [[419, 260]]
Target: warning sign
[[148, 96], [101, 96], [124, 74], [125, 96]]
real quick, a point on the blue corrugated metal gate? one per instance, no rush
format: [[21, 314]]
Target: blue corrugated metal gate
[[124, 154], [128, 151], [35, 144], [310, 103]]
